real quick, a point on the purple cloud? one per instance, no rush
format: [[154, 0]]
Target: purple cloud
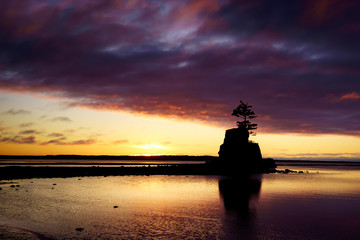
[[296, 62]]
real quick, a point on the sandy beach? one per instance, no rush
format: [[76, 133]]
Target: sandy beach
[[14, 233]]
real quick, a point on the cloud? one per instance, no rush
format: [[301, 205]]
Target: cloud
[[29, 124], [71, 130], [122, 141], [82, 142], [17, 112], [191, 60], [60, 119], [2, 129], [53, 141], [350, 96], [56, 135], [60, 141], [19, 140], [30, 131]]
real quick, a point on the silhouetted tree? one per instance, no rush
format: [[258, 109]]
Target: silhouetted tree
[[244, 111]]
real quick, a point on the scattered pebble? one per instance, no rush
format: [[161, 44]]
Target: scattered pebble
[[116, 206], [0, 188], [79, 229], [54, 184], [12, 186], [286, 171]]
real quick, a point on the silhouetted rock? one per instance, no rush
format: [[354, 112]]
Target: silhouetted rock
[[238, 155], [236, 136]]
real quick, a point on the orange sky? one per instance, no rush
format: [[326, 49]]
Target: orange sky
[[34, 125]]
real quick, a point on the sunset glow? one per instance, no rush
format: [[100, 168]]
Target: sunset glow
[[150, 146]]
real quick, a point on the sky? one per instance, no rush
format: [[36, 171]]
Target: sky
[[118, 77]]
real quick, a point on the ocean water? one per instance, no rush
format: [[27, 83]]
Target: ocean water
[[321, 204]]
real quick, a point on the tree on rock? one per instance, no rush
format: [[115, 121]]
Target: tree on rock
[[245, 112]]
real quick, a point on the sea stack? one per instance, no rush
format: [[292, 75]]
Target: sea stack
[[238, 154]]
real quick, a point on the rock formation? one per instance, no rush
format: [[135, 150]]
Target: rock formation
[[238, 155]]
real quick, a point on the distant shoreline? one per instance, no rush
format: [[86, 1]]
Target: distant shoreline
[[28, 170], [157, 157], [111, 157]]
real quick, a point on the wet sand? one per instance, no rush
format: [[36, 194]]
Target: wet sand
[[14, 233]]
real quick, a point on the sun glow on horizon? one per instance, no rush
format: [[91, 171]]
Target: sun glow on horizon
[[35, 126], [151, 146], [152, 149]]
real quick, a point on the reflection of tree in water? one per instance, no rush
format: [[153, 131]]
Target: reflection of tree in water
[[238, 194]]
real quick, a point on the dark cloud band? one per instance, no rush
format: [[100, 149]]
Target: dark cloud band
[[296, 62]]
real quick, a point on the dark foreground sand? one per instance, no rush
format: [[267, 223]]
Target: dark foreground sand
[[13, 233]]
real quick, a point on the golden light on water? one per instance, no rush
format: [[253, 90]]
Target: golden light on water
[[315, 183]]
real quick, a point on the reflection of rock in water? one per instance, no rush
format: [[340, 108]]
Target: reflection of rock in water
[[238, 194]]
